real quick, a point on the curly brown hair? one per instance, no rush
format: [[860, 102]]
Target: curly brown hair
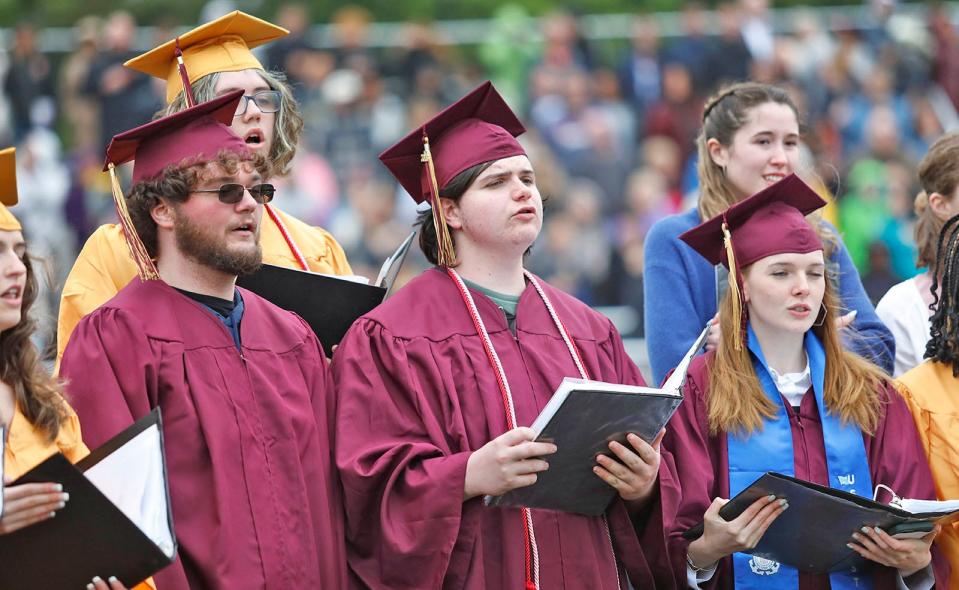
[[175, 184], [38, 395]]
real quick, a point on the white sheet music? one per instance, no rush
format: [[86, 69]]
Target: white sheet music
[[132, 478]]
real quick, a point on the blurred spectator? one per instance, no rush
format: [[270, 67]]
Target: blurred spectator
[[507, 53], [127, 98], [864, 211], [80, 112], [351, 26], [945, 60], [879, 278], [29, 82], [287, 54], [731, 60], [640, 71], [757, 29], [693, 47], [678, 115]]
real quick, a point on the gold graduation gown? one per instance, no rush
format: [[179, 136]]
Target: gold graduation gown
[[104, 266]]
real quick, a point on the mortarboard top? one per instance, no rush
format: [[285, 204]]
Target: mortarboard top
[[221, 45], [478, 128], [8, 189], [773, 221], [196, 133]]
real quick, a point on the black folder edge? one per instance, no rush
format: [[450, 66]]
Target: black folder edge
[[153, 418], [108, 447], [729, 511]]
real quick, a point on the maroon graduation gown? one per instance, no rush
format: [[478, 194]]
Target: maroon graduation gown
[[700, 462], [255, 498], [416, 395]]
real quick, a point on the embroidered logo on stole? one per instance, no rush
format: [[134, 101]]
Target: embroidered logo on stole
[[763, 567]]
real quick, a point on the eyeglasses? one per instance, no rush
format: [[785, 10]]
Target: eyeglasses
[[268, 101], [231, 193]]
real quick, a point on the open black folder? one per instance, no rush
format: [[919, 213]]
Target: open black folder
[[117, 521], [582, 418], [811, 535], [329, 304]]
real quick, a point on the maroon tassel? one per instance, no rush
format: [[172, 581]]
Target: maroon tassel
[[184, 78]]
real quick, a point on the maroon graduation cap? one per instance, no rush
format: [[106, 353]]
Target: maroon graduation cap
[[193, 135], [773, 221], [197, 134], [478, 128]]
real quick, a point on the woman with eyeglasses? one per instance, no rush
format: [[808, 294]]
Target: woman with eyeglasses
[[216, 60]]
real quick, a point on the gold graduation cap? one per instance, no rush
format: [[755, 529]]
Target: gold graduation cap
[[8, 189], [221, 45]]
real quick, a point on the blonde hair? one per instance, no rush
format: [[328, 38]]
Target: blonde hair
[[736, 402], [286, 128], [938, 173]]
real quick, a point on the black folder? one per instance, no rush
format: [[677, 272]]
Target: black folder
[[811, 535], [582, 418], [327, 303], [90, 536]]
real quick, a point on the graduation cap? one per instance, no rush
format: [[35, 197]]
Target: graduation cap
[[478, 128], [194, 135], [8, 189], [221, 45], [773, 221]]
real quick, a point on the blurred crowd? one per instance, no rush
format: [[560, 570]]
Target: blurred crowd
[[611, 125]]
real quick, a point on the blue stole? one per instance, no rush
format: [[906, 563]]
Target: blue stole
[[772, 450]]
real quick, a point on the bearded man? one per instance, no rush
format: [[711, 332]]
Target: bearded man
[[243, 385]]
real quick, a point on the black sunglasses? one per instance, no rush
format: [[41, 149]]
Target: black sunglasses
[[231, 193]]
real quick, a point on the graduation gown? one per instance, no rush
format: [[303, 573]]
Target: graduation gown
[[700, 463], [104, 266], [416, 396], [933, 397], [255, 499]]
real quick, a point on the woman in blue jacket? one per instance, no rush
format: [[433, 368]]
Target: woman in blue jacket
[[750, 140]]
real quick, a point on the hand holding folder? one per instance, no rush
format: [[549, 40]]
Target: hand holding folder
[[812, 535], [116, 522]]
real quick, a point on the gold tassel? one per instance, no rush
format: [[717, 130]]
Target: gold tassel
[[734, 288], [445, 255], [145, 267]]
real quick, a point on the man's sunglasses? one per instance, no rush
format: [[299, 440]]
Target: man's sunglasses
[[268, 101], [231, 193]]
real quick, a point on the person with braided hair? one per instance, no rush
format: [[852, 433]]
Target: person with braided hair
[[750, 140], [907, 307], [932, 388]]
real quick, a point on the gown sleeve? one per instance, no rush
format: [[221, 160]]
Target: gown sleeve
[[110, 374], [897, 460], [102, 268], [402, 476]]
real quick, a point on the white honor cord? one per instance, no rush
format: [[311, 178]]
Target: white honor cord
[[499, 368]]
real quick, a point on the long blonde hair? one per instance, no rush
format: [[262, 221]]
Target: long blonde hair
[[735, 399]]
